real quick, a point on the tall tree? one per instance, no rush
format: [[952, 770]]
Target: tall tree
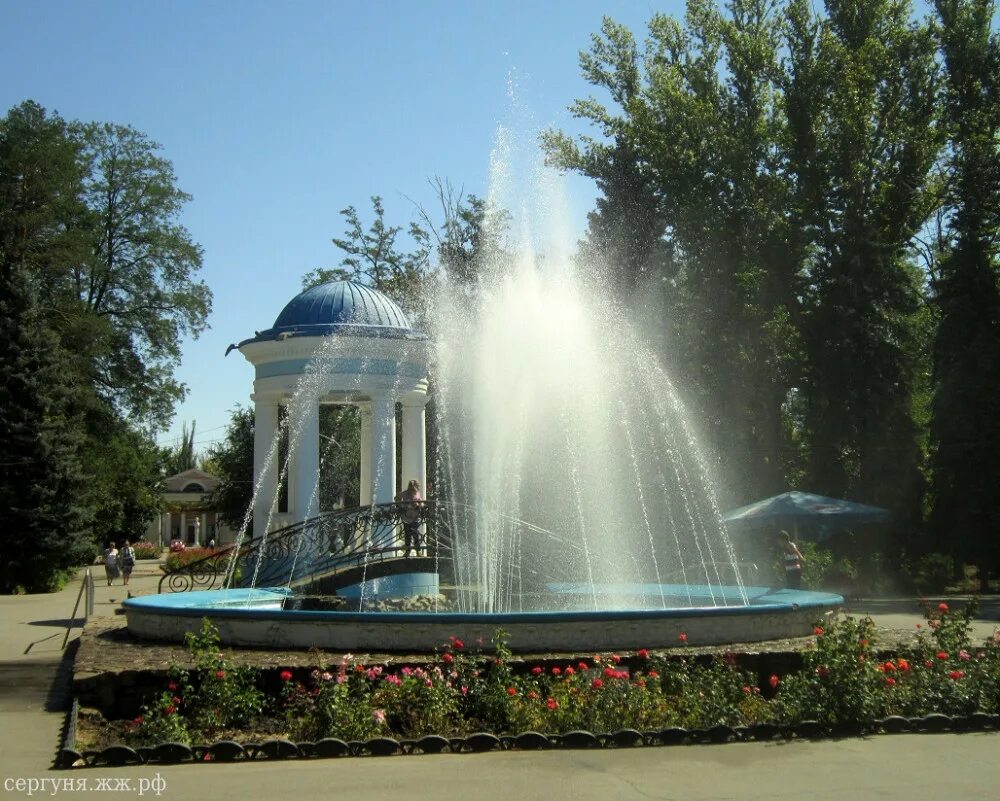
[[138, 285], [232, 458], [43, 524], [373, 258], [966, 409]]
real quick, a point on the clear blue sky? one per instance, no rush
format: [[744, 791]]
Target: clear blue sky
[[278, 115]]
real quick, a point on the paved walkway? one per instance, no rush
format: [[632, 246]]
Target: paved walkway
[[33, 680]]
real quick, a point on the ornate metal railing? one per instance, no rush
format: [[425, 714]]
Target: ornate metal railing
[[342, 540]]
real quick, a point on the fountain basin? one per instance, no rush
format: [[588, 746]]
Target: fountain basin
[[256, 617]]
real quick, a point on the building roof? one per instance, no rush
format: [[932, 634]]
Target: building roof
[[181, 481], [343, 307]]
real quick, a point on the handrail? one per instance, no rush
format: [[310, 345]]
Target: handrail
[[86, 589]]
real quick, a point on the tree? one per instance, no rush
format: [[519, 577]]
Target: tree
[[138, 283], [965, 426], [183, 457], [373, 258], [232, 458], [43, 525]]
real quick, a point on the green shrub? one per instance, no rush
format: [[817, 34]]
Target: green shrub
[[933, 572]]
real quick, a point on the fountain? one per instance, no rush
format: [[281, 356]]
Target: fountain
[[570, 505]]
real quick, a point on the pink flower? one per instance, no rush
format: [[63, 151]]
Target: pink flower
[[533, 695], [653, 674], [170, 709], [597, 684], [597, 658], [285, 675], [569, 670], [378, 716], [137, 721], [536, 670], [220, 674], [172, 686], [556, 671], [327, 676], [512, 691], [774, 681], [465, 690], [642, 653], [615, 658], [890, 681], [583, 666], [928, 663], [964, 656], [447, 659], [683, 637], [942, 607], [176, 700], [551, 703]]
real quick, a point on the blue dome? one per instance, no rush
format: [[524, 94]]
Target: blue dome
[[339, 307]]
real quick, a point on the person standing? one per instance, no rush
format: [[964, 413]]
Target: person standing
[[793, 559], [128, 561], [111, 562], [411, 517]]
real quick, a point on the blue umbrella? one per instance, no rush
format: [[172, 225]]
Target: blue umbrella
[[794, 509]]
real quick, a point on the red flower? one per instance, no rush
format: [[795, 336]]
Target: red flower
[[746, 691], [170, 709], [615, 658], [582, 666], [955, 675], [551, 703], [172, 686], [536, 670], [683, 637], [818, 631], [512, 691], [942, 607], [220, 674], [774, 681], [822, 671], [597, 684], [137, 721], [533, 695], [609, 672], [556, 670], [447, 659], [862, 642], [569, 670], [642, 653], [286, 675], [176, 700], [902, 664], [458, 644], [889, 667], [653, 674], [928, 663], [942, 655], [890, 681]]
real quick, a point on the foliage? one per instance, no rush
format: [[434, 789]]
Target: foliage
[[933, 572], [183, 457], [44, 523], [147, 550], [178, 559], [233, 460], [216, 695], [965, 431]]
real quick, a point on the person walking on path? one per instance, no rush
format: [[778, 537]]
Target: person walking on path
[[111, 562], [793, 559], [128, 561]]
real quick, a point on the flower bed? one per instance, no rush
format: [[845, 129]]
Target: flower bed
[[464, 700], [179, 559], [146, 550]]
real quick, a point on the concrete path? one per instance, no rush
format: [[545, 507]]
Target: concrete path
[[34, 676]]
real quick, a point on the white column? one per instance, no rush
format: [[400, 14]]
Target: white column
[[184, 528], [266, 482], [414, 456], [303, 470], [383, 452], [365, 483], [202, 530]]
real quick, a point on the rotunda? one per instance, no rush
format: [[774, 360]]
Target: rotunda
[[342, 343]]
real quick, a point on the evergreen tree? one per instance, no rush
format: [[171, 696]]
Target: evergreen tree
[[43, 524]]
